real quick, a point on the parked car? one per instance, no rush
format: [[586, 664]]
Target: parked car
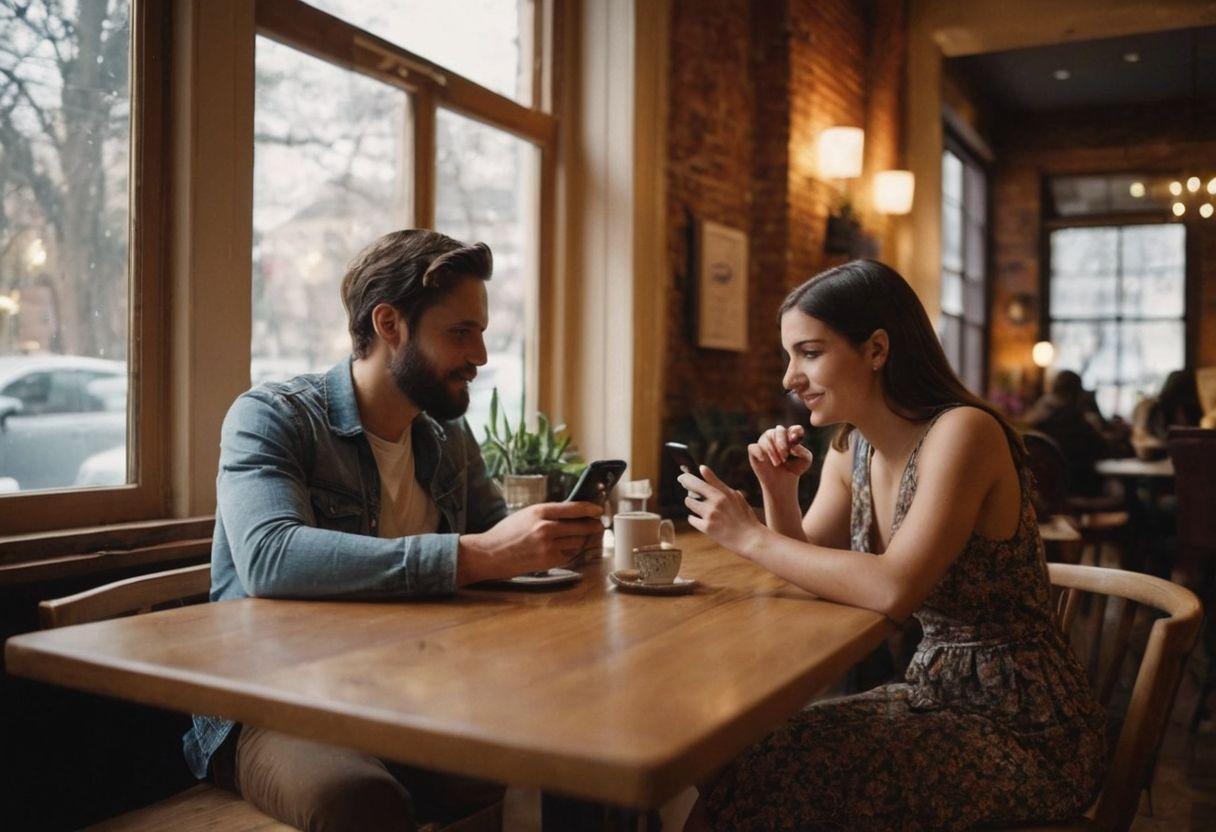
[[55, 412]]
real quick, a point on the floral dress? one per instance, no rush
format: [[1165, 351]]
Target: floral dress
[[994, 723]]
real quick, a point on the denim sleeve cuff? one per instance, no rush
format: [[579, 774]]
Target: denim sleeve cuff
[[430, 564]]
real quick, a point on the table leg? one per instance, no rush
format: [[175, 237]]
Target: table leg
[[565, 814]]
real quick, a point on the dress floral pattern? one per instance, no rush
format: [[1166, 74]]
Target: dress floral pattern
[[994, 724]]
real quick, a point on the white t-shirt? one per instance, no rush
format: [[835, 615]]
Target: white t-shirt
[[405, 506]]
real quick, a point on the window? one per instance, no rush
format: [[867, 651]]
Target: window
[[79, 250], [1117, 304], [349, 149], [963, 323]]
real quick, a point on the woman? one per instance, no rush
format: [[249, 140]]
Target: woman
[[995, 722]]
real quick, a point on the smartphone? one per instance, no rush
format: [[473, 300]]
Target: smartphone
[[683, 458], [597, 481]]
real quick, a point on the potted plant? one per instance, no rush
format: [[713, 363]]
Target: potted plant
[[531, 466]]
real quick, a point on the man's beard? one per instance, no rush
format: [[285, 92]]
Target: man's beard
[[422, 384]]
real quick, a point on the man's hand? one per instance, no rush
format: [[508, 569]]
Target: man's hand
[[532, 539]]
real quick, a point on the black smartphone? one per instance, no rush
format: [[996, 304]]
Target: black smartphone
[[683, 458], [597, 481]]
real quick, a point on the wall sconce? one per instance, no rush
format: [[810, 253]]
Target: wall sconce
[[840, 152], [893, 190], [840, 157], [1020, 309]]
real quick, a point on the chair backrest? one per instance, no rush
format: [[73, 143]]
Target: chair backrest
[[131, 595], [1049, 473], [1169, 643], [1193, 453]]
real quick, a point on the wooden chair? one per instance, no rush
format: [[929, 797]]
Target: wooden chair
[[1169, 643], [1193, 452], [203, 807]]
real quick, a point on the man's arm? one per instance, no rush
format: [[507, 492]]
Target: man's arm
[[263, 496]]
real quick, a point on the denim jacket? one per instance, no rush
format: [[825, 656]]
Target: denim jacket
[[298, 504]]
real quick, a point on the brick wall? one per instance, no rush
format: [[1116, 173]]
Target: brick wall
[[1151, 139], [751, 86]]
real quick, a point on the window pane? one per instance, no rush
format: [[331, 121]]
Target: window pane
[[952, 178], [1088, 348], [1154, 270], [951, 335], [1084, 265], [64, 164], [973, 358], [486, 189], [330, 175], [483, 40], [952, 293], [1149, 352], [976, 250], [952, 237]]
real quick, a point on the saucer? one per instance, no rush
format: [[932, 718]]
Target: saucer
[[680, 586], [554, 577]]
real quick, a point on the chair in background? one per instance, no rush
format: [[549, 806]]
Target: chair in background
[[202, 807], [1169, 643], [1193, 452]]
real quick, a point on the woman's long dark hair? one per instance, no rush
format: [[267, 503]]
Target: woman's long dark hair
[[863, 296]]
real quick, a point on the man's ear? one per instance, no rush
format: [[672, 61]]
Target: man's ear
[[390, 326]]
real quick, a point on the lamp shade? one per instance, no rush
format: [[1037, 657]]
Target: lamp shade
[[840, 152], [893, 191]]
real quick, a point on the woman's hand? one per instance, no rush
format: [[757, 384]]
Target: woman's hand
[[720, 511], [779, 459]]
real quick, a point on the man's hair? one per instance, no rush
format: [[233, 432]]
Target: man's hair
[[412, 270]]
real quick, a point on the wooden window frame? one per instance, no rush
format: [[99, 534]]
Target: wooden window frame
[[303, 27], [147, 418], [958, 146]]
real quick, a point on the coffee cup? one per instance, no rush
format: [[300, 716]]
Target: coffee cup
[[658, 565], [632, 529]]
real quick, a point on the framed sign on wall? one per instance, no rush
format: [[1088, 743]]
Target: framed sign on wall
[[721, 287]]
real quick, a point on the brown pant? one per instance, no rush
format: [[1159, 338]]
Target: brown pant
[[324, 788]]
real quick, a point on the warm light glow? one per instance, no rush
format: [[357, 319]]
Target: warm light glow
[[1193, 184], [10, 304], [840, 152], [1176, 188], [1131, 57], [1043, 353], [1136, 189], [1061, 74], [35, 255], [1179, 209], [893, 191], [1205, 210], [1212, 185]]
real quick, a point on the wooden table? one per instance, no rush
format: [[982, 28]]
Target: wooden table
[[585, 692]]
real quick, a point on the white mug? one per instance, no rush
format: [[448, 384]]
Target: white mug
[[632, 529]]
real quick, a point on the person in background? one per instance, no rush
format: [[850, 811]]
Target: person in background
[[1070, 416], [1176, 405]]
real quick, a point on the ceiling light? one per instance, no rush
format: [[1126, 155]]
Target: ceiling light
[[1193, 184], [1179, 209], [1212, 185], [1131, 57], [1176, 188], [1137, 189], [1061, 74], [1205, 210]]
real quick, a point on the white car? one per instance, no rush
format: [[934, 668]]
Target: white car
[[55, 412]]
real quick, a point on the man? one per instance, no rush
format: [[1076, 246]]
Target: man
[[366, 482]]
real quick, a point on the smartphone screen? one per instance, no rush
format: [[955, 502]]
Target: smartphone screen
[[683, 458]]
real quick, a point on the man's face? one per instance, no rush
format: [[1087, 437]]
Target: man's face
[[434, 366]]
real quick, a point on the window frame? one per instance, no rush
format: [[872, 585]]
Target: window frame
[[955, 144], [1191, 275], [300, 26], [147, 412]]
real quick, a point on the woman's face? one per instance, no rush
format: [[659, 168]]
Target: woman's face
[[831, 376]]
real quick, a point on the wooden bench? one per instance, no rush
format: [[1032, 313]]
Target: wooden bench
[[203, 807]]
